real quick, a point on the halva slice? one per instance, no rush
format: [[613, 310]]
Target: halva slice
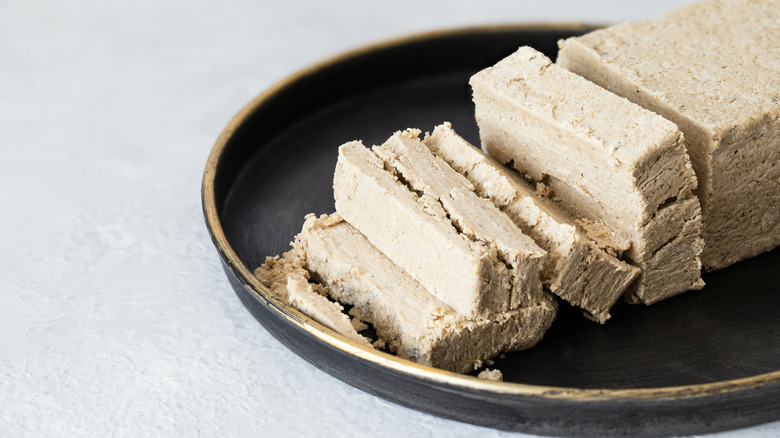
[[287, 278], [473, 267], [576, 268], [713, 68], [415, 324], [473, 216], [605, 159]]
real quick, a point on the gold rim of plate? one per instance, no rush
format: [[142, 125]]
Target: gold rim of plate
[[396, 363]]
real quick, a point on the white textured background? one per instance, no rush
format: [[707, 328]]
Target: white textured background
[[115, 317]]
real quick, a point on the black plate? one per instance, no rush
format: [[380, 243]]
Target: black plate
[[701, 362]]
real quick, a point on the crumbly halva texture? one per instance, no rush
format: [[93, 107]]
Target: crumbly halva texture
[[713, 68], [575, 268], [488, 374], [605, 159], [425, 217], [288, 280], [415, 324]]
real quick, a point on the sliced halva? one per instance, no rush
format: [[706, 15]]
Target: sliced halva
[[415, 324], [713, 68], [605, 159], [433, 226], [575, 268], [473, 216], [288, 280]]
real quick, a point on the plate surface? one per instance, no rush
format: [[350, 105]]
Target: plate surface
[[701, 362]]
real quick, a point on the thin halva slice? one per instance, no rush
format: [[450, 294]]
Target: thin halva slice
[[288, 280], [415, 324], [575, 269], [605, 158], [414, 231], [411, 161], [713, 68]]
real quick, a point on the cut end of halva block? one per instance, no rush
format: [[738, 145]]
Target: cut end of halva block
[[604, 158], [712, 68]]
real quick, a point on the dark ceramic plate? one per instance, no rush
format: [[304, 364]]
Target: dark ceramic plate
[[701, 362]]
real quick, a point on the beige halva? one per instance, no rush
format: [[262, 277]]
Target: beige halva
[[712, 68], [425, 217], [450, 254], [414, 323], [605, 159], [575, 268], [411, 321]]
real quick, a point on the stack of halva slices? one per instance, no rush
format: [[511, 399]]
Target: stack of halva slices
[[649, 148]]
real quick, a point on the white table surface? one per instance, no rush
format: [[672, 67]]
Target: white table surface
[[115, 316]]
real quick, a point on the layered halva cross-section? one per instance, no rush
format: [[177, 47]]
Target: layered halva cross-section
[[575, 268], [425, 217], [605, 159], [414, 324], [712, 68]]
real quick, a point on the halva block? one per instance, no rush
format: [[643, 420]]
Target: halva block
[[713, 68]]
